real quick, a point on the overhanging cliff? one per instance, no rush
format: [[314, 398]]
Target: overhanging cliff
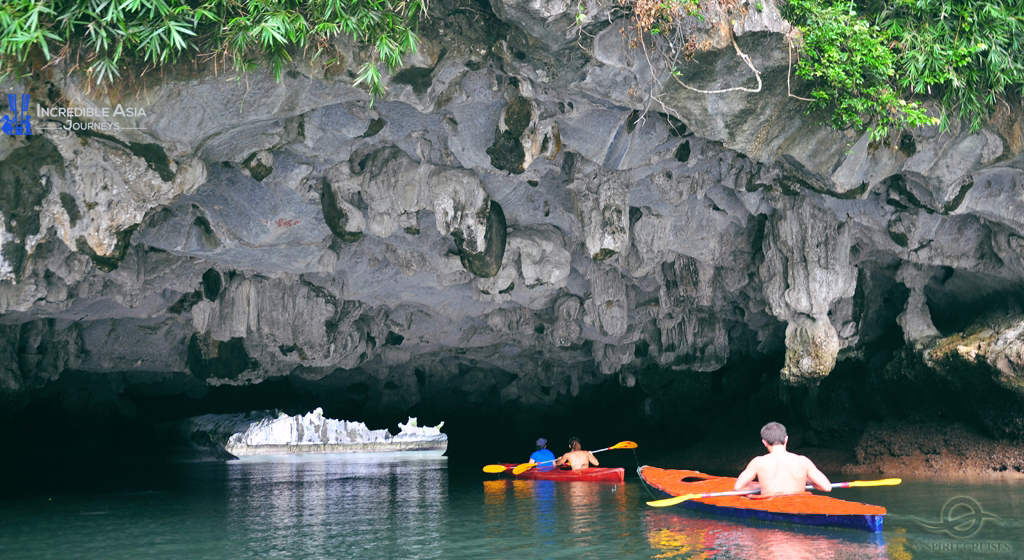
[[531, 210]]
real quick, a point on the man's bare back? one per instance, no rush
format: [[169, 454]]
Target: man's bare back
[[782, 473], [579, 460], [779, 471]]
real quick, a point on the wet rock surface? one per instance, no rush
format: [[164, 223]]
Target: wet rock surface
[[513, 226], [934, 449]]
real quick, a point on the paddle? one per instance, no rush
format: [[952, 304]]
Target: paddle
[[519, 469], [855, 484]]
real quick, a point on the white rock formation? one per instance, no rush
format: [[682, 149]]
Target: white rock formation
[[312, 433]]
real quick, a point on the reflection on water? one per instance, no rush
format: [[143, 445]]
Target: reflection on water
[[352, 504], [544, 497], [342, 506], [700, 537], [391, 506], [544, 518]]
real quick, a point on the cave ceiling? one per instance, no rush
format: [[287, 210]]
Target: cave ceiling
[[529, 211]]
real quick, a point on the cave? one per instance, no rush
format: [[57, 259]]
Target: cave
[[513, 242]]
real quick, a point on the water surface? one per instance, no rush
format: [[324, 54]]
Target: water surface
[[402, 506]]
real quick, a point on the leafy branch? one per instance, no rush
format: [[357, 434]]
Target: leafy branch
[[112, 36], [868, 62], [851, 69], [966, 53]]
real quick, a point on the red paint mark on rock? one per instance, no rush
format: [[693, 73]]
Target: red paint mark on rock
[[282, 223]]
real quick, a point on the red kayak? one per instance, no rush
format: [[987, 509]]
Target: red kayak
[[804, 509], [594, 474]]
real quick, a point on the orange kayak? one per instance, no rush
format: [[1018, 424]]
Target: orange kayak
[[595, 474], [804, 509]]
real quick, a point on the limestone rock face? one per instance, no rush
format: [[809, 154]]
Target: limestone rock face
[[603, 209], [394, 188], [543, 255], [1007, 358], [534, 210], [805, 271], [916, 320], [234, 218], [812, 345], [265, 432], [95, 192], [606, 310], [807, 261], [464, 210], [250, 309], [981, 364], [567, 329], [995, 349], [548, 20]]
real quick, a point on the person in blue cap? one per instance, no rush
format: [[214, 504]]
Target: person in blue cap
[[543, 456]]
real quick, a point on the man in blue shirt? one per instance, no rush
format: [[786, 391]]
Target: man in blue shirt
[[544, 456]]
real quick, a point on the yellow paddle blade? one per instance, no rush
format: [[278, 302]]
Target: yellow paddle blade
[[494, 469], [673, 501], [883, 482], [520, 469], [624, 445]]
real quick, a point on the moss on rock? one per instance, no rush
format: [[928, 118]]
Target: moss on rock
[[507, 152], [208, 358], [185, 303], [71, 207], [486, 263], [109, 263], [334, 216], [22, 188]]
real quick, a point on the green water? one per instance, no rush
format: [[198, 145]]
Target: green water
[[381, 506]]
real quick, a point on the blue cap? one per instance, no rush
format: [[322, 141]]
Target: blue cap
[[542, 442]]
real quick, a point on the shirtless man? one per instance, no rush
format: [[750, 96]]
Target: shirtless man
[[577, 458], [779, 471]]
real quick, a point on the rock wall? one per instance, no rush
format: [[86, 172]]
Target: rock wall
[[531, 209]]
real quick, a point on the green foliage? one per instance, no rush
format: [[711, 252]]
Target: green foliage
[[106, 37], [967, 53], [851, 69], [870, 62]]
